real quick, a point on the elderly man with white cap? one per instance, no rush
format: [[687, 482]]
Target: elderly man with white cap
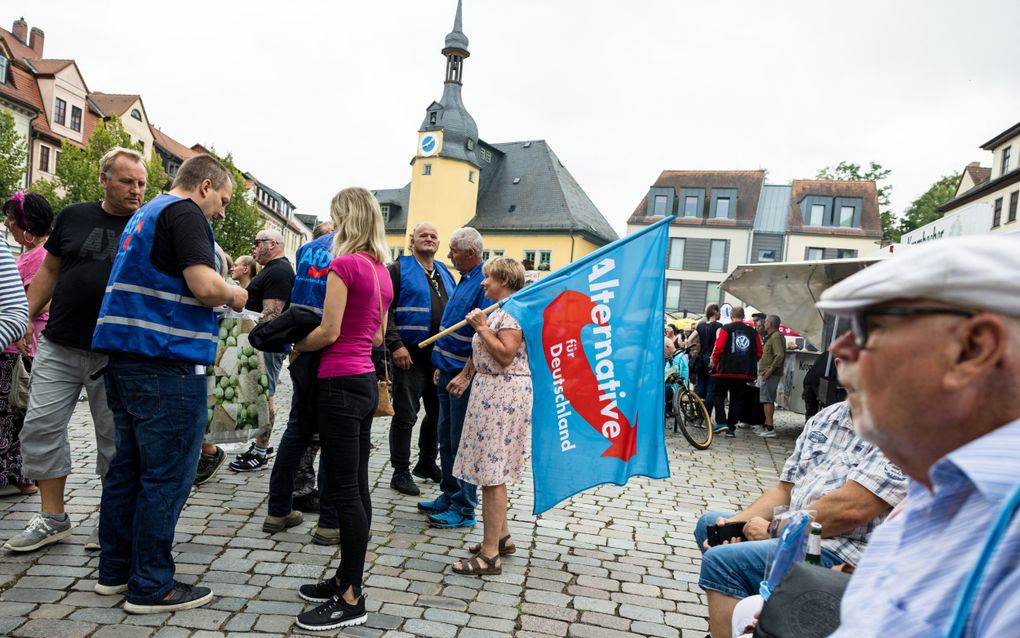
[[932, 360]]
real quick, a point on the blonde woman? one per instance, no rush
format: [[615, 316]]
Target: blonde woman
[[358, 296], [497, 426], [244, 270]]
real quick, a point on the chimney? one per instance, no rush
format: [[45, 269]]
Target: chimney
[[37, 40], [20, 30]]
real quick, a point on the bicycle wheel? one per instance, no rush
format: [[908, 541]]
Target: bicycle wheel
[[692, 418]]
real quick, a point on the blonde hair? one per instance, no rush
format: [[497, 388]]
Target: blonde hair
[[358, 224], [509, 271], [106, 162], [248, 262]]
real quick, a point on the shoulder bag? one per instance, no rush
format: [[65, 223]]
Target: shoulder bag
[[20, 382], [384, 404]]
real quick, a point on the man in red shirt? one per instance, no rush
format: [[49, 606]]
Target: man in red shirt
[[734, 365]]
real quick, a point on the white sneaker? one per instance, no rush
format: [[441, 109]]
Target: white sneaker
[[92, 543], [767, 434], [757, 429], [41, 531]]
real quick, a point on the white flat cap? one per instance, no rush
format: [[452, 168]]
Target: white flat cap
[[974, 272]]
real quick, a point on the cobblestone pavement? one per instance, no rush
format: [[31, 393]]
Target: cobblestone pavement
[[614, 561]]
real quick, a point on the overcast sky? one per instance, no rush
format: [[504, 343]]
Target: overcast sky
[[314, 96]]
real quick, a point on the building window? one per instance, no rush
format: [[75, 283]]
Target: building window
[[997, 213], [660, 205], [432, 117], [814, 254], [471, 176], [44, 158], [672, 294], [676, 254], [1012, 205], [395, 253], [816, 215], [545, 260], [486, 154], [846, 253], [722, 208], [75, 118], [385, 210], [766, 255], [60, 112], [691, 206], [426, 169], [470, 144], [135, 113], [846, 216], [712, 293], [1006, 152], [171, 169], [492, 254], [3, 69], [717, 256]]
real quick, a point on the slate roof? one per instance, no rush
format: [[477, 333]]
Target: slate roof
[[397, 198], [113, 103], [747, 183], [871, 221], [773, 208]]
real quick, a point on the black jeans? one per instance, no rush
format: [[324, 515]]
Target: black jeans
[[346, 406], [412, 387], [737, 391], [290, 455]]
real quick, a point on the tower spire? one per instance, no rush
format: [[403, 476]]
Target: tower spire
[[456, 48]]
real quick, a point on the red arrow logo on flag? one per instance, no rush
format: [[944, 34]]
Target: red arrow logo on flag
[[563, 321]]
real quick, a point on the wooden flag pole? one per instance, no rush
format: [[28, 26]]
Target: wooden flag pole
[[455, 327]]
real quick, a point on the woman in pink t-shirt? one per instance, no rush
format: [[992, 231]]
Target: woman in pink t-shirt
[[358, 296], [28, 218]]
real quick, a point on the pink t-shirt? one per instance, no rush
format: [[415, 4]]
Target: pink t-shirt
[[351, 354], [28, 264]]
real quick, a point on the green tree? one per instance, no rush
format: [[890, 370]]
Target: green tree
[[235, 232], [923, 209], [13, 156], [875, 171], [77, 174]]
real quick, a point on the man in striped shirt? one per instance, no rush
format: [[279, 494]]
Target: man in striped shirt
[[932, 366]]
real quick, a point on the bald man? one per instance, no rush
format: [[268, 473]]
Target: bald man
[[269, 294]]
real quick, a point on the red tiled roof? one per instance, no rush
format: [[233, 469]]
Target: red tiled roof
[[171, 145], [18, 49], [747, 183], [49, 67], [113, 103], [978, 174], [24, 88]]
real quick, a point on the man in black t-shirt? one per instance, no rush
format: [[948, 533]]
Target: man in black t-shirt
[[707, 329], [72, 281], [269, 294]]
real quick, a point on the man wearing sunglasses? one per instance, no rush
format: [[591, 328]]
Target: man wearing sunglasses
[[931, 361]]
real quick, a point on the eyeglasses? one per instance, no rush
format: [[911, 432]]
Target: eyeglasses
[[859, 319], [256, 242]]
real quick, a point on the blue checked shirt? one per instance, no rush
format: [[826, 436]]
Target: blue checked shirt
[[911, 573], [827, 455]]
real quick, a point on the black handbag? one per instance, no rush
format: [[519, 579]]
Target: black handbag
[[805, 605]]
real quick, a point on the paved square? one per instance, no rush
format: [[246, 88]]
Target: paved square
[[614, 561]]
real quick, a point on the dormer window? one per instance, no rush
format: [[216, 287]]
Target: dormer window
[[60, 111], [1006, 152], [385, 208], [135, 113], [433, 117], [3, 69], [470, 144]]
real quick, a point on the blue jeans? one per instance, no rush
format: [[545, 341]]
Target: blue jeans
[[274, 362], [458, 495], [704, 387], [737, 570], [159, 415], [289, 455]]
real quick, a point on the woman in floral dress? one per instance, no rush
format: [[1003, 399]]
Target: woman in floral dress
[[497, 426], [28, 218]]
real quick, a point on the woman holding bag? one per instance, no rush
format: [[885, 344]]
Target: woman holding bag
[[358, 296], [28, 218]]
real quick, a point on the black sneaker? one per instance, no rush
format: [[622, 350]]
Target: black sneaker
[[333, 614], [403, 483], [308, 503], [182, 597], [319, 592], [208, 464], [251, 461], [428, 472]]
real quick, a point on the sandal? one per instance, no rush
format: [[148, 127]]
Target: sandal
[[504, 548], [479, 565]]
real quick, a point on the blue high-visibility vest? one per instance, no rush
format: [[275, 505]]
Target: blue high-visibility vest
[[451, 353], [313, 259], [413, 311], [146, 312]]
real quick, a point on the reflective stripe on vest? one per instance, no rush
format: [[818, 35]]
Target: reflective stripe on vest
[[414, 313], [452, 352], [149, 313]]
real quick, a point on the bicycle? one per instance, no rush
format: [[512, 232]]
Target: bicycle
[[690, 416]]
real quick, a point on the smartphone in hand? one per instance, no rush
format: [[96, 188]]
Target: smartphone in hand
[[718, 534]]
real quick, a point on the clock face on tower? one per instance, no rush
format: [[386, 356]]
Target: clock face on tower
[[429, 143]]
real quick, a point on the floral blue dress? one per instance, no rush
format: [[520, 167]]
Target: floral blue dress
[[497, 427]]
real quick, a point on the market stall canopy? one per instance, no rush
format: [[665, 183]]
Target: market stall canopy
[[790, 289]]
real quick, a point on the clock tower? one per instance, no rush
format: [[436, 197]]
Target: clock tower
[[445, 171]]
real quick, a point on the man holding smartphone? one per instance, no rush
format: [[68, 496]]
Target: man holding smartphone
[[848, 483]]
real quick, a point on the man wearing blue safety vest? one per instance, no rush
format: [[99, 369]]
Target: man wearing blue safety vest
[[421, 288], [158, 326], [451, 356]]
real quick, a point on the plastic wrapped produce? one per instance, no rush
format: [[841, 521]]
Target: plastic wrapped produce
[[238, 386]]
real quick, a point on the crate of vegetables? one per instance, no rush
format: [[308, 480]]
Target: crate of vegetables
[[237, 381]]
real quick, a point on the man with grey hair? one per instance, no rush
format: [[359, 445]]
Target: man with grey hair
[[269, 294], [770, 371], [451, 355], [71, 282], [931, 363]]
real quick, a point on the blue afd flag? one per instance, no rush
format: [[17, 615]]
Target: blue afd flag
[[594, 336]]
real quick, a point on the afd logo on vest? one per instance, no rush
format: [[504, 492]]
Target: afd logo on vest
[[595, 348]]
